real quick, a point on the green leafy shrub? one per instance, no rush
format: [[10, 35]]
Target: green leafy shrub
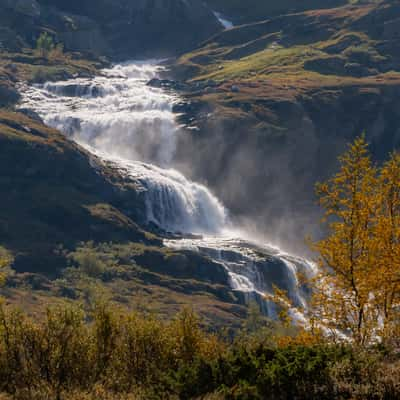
[[45, 44], [89, 260]]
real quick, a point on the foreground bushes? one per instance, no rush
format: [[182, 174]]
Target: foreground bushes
[[114, 355]]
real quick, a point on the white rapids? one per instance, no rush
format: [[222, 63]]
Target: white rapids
[[127, 123]]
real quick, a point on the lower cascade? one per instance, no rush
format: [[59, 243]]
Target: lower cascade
[[131, 125]]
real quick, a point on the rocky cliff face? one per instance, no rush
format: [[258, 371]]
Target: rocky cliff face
[[120, 29]]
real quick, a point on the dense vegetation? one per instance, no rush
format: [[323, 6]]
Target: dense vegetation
[[129, 356]]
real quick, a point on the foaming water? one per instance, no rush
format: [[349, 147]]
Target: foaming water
[[116, 113], [255, 269], [130, 125], [172, 202]]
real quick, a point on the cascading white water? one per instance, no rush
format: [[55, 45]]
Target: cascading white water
[[131, 125], [254, 269], [116, 113], [172, 202]]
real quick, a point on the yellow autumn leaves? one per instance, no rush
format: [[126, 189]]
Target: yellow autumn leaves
[[6, 259], [358, 289]]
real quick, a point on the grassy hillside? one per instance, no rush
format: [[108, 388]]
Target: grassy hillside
[[335, 43], [254, 10]]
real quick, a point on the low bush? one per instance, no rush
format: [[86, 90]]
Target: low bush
[[112, 354]]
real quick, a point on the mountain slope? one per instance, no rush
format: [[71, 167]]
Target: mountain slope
[[273, 103], [256, 10], [52, 195], [118, 29]]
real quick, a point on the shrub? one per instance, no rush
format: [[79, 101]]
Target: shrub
[[44, 44], [113, 354], [89, 261]]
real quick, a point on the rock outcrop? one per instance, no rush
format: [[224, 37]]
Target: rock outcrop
[[120, 28], [30, 8], [256, 10]]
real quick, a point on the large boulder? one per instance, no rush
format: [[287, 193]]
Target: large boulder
[[8, 94]]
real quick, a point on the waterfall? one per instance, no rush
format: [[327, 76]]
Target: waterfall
[[254, 269], [116, 113], [223, 20], [129, 124]]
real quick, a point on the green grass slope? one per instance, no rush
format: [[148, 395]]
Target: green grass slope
[[254, 10]]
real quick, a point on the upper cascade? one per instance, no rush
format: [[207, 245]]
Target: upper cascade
[[116, 113], [122, 120]]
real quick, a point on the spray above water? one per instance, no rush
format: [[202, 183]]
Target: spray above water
[[122, 120]]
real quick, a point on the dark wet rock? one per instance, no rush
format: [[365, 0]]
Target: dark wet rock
[[8, 94], [190, 112], [347, 41], [184, 265], [359, 70], [186, 107], [167, 84], [75, 90], [11, 67]]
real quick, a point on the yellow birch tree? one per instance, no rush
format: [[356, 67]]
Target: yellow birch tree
[[386, 280], [342, 294]]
